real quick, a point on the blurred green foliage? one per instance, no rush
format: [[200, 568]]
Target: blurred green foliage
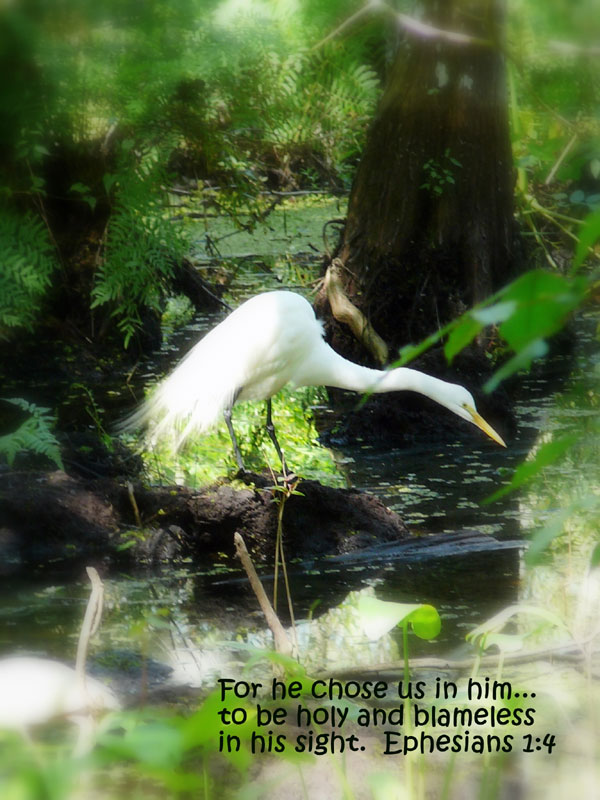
[[28, 263], [202, 460], [109, 102]]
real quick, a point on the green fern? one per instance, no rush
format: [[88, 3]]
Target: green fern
[[32, 436], [26, 267], [142, 246]]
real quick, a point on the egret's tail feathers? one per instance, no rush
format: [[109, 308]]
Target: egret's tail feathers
[[178, 408]]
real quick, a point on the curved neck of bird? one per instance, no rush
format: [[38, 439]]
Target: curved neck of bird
[[331, 369]]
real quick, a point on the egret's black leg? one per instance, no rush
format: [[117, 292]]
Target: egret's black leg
[[271, 431], [236, 449]]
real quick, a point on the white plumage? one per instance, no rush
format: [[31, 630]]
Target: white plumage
[[272, 340], [34, 691]]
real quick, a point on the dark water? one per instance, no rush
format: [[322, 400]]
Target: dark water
[[199, 622]]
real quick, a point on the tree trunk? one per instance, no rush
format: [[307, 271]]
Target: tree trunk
[[429, 230]]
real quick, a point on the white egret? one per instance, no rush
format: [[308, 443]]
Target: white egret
[[37, 691], [34, 691], [269, 341]]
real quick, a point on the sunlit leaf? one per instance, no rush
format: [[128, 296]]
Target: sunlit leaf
[[527, 311], [495, 624], [492, 315], [463, 334], [542, 302], [425, 621], [378, 617]]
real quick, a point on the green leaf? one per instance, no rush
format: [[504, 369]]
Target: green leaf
[[37, 183], [588, 236], [425, 621], [543, 300], [463, 334], [577, 196], [522, 360], [378, 617], [34, 435], [471, 323], [156, 744], [81, 188], [492, 315], [595, 557], [542, 538], [547, 454]]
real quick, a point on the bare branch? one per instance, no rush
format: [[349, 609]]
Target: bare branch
[[282, 642]]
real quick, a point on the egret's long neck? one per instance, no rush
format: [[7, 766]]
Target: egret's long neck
[[328, 368]]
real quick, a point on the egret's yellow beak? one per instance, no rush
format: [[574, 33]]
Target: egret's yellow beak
[[478, 420]]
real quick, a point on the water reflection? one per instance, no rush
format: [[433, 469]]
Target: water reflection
[[202, 625]]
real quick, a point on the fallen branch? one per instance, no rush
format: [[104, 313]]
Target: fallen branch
[[280, 637], [567, 652], [346, 312]]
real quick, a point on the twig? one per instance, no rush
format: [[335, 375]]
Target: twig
[[134, 505], [282, 642], [290, 483], [91, 622], [539, 239], [560, 159]]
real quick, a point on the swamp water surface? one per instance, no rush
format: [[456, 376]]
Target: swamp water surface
[[205, 624]]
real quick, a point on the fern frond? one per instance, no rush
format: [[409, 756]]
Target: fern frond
[[32, 436], [142, 245], [26, 266]]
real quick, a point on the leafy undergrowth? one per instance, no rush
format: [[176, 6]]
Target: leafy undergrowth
[[206, 458]]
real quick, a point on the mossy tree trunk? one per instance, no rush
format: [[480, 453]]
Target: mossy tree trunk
[[430, 221]]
